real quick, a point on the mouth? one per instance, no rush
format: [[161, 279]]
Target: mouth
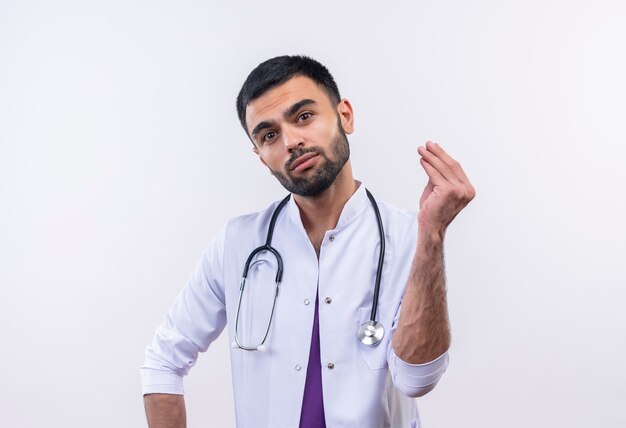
[[303, 162]]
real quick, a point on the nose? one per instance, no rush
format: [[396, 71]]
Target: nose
[[292, 139]]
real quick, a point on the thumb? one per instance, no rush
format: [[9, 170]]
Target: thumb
[[426, 193]]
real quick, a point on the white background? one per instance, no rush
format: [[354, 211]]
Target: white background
[[121, 156]]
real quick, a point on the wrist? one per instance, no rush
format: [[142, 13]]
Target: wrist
[[431, 232], [430, 239]]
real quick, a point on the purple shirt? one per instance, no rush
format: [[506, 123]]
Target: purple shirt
[[312, 415]]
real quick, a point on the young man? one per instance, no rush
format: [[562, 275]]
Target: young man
[[310, 351]]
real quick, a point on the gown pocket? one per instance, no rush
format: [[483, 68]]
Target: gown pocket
[[375, 356]]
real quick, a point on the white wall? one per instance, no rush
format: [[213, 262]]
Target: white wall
[[121, 155]]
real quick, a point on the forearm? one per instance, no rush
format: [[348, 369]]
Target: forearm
[[423, 331], [165, 410]]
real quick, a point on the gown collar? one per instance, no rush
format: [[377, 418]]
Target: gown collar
[[357, 202]]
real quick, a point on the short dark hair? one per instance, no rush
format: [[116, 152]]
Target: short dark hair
[[278, 70]]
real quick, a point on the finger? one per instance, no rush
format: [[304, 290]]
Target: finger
[[453, 164], [440, 153], [443, 169], [435, 177]]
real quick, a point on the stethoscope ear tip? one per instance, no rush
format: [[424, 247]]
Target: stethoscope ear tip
[[261, 348], [234, 345]]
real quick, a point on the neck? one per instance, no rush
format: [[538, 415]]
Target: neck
[[321, 213]]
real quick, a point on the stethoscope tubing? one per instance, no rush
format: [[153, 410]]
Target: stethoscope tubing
[[370, 333], [381, 256]]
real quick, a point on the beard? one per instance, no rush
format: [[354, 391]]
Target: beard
[[324, 175]]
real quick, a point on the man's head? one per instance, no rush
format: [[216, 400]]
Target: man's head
[[275, 71], [291, 110]]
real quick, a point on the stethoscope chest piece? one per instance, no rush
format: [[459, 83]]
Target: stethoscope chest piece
[[371, 333]]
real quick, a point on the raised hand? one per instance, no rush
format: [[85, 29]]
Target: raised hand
[[447, 192]]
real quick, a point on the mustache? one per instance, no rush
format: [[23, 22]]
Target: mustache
[[299, 152]]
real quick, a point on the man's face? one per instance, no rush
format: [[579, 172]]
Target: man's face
[[299, 135]]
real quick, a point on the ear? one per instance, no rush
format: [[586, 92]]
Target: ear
[[346, 115], [256, 151]]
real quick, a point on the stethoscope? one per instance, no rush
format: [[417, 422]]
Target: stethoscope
[[370, 333]]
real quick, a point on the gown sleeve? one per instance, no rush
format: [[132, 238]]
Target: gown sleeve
[[193, 322]]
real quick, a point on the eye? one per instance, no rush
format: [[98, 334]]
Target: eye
[[305, 116], [268, 136]]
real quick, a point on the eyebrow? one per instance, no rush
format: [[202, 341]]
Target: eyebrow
[[287, 113], [297, 106]]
